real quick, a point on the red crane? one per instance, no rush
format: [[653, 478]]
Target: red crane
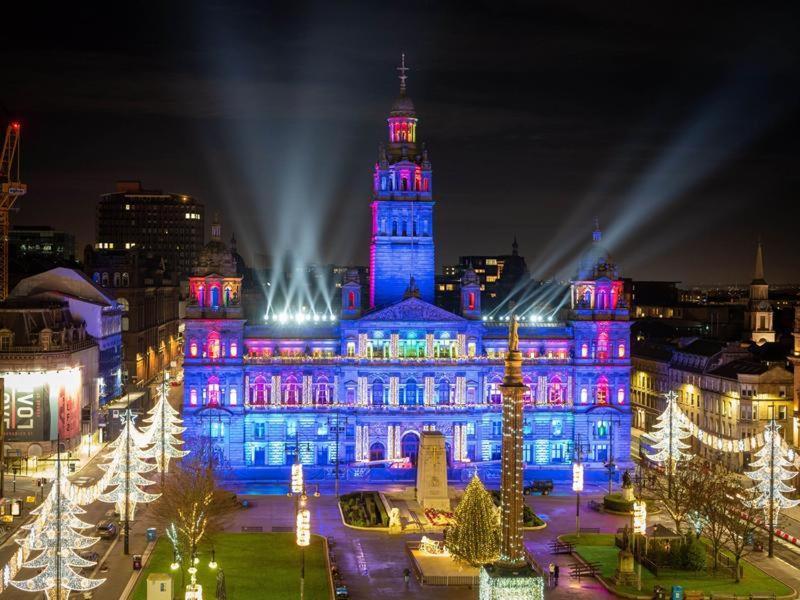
[[11, 189]]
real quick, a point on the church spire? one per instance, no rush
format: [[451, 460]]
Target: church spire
[[758, 275]]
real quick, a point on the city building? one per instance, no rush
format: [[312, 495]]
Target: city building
[[41, 241], [88, 303], [148, 296], [724, 388], [168, 225], [362, 384], [49, 366]]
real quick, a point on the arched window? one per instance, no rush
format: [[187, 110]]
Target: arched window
[[212, 390], [602, 300], [233, 396], [602, 391], [193, 397], [117, 280], [443, 392], [410, 393], [323, 392], [259, 393], [291, 395], [494, 395], [377, 392], [405, 227], [215, 297], [227, 295], [584, 395], [193, 348], [201, 295], [213, 346], [621, 350], [620, 396], [105, 279], [96, 277], [233, 349], [602, 346], [556, 392], [126, 280], [471, 301], [584, 350], [351, 300]]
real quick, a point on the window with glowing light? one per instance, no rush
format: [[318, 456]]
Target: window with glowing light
[[212, 390], [201, 293], [233, 350], [584, 395], [584, 350], [471, 301], [215, 297], [193, 348], [556, 394], [193, 397], [602, 391], [258, 394], [602, 346], [620, 396], [351, 300], [621, 351], [233, 397], [213, 347]]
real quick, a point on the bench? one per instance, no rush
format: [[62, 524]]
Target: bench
[[584, 569], [588, 530], [559, 547], [252, 529]]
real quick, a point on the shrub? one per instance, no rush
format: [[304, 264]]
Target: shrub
[[616, 503], [695, 555]]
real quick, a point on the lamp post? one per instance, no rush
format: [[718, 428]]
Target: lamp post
[[577, 487], [303, 524], [639, 528]]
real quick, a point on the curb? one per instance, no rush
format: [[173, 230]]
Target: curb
[[134, 579]]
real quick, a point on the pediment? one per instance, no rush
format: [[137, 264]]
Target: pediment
[[412, 309]]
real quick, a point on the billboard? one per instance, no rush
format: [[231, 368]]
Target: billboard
[[40, 405]]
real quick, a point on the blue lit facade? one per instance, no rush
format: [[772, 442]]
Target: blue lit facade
[[393, 365]]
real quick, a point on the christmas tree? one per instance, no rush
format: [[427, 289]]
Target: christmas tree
[[125, 468], [164, 426], [55, 535], [474, 539], [671, 428], [770, 474]]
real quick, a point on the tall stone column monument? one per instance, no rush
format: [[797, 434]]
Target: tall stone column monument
[[432, 471], [511, 577]]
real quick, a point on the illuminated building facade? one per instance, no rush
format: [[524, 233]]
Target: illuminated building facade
[[365, 383]]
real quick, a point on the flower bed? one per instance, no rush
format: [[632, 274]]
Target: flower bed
[[363, 509], [439, 518]]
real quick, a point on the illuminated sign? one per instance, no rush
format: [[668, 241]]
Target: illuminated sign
[[39, 405]]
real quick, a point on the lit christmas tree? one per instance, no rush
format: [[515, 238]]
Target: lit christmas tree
[[671, 428], [475, 537], [770, 474], [126, 465], [164, 426], [55, 536]]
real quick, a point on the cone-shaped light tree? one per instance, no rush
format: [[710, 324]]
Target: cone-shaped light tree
[[126, 466], [670, 430], [772, 470], [474, 539], [161, 433], [55, 535]]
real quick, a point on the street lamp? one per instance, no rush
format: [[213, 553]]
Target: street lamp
[[639, 528], [303, 522], [577, 487], [297, 478]]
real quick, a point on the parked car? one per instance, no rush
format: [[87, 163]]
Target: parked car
[[539, 486], [107, 530]]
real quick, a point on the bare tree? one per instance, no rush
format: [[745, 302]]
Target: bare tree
[[712, 490], [678, 494], [740, 523], [193, 502]]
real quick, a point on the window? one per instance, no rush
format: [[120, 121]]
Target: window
[[497, 428], [782, 413], [620, 396], [600, 429], [584, 350], [193, 348], [621, 351], [117, 279], [126, 280], [233, 397], [217, 429], [213, 391], [584, 395], [193, 397], [233, 350], [213, 347], [556, 427], [351, 349], [259, 430]]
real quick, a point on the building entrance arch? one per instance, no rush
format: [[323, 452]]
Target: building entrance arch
[[377, 451]]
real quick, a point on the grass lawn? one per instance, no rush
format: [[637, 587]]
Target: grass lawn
[[256, 565], [600, 548]]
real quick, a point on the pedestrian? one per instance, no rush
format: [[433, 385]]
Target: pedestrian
[[551, 570], [556, 575], [406, 575]]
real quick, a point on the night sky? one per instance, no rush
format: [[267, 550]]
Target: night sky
[[676, 124]]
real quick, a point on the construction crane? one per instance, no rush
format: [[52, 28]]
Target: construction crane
[[11, 189]]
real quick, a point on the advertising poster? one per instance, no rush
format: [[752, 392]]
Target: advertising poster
[[37, 406]]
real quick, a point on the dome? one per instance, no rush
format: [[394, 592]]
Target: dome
[[403, 107]]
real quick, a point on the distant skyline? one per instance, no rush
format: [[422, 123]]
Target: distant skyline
[[678, 129]]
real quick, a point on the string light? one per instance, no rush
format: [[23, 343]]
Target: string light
[[670, 430], [770, 473]]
